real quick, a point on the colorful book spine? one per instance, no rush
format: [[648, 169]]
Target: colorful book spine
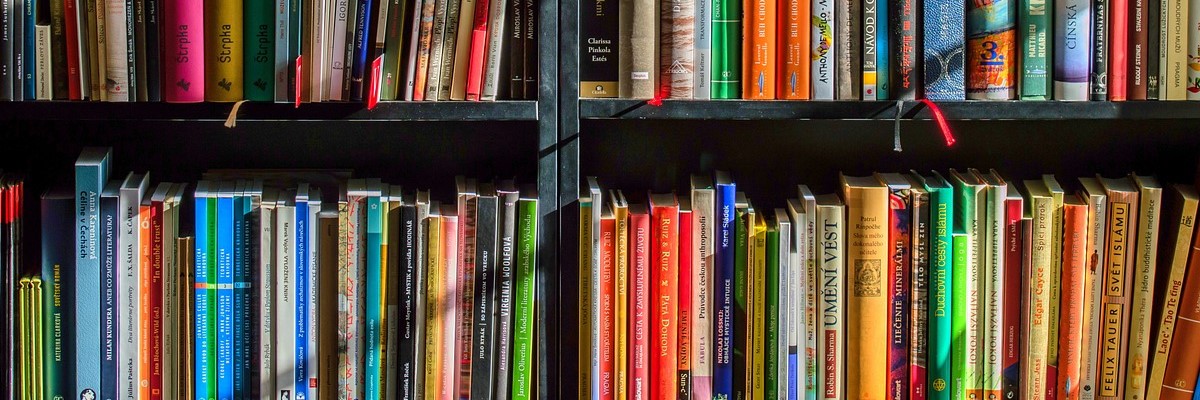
[[968, 286], [1013, 239], [479, 43], [918, 386], [905, 73], [899, 265], [1117, 297], [73, 29], [1072, 49], [992, 46], [154, 302], [373, 299], [824, 49], [303, 286], [870, 58], [447, 370], [352, 287], [882, 56], [224, 53], [526, 278], [1183, 361], [1183, 210], [683, 390], [589, 295], [1098, 78], [607, 323], [259, 50], [282, 32], [703, 269], [239, 306], [206, 296], [57, 265], [944, 50], [1036, 50], [91, 174], [795, 58], [760, 45], [434, 294], [1070, 323], [677, 55], [1037, 300], [756, 297], [993, 289], [743, 249], [468, 222], [1093, 308], [941, 373], [1118, 49], [621, 276], [664, 284], [362, 47], [1144, 281], [831, 242], [1139, 50], [771, 317], [225, 307], [1056, 256], [1193, 51], [849, 61], [789, 328], [723, 290], [867, 344], [726, 49], [183, 66]]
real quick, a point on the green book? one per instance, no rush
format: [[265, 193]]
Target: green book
[[211, 248], [962, 245], [523, 307], [1056, 250], [970, 212], [772, 310], [58, 267], [727, 49], [741, 299], [393, 51], [259, 50], [941, 334], [1033, 31]]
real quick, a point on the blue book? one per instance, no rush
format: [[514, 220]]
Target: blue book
[[943, 53], [940, 340], [109, 245], [881, 50], [201, 318], [302, 287], [238, 342], [362, 32], [225, 313], [58, 264], [374, 279], [1196, 394], [91, 173], [723, 373]]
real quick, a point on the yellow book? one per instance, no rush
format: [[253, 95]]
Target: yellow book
[[1143, 274], [1034, 356], [433, 302], [1183, 204], [1056, 261], [223, 50], [620, 330], [588, 346], [389, 206], [758, 305], [866, 252]]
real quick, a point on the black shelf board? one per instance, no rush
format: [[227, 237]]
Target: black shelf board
[[884, 110], [263, 111]]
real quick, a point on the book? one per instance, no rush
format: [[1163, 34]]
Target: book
[[153, 304], [462, 50], [1193, 52], [327, 240], [393, 44], [204, 305], [435, 274], [129, 277], [282, 32], [664, 292], [808, 282], [185, 246], [1037, 53], [1182, 202], [824, 49], [1184, 362], [870, 57], [970, 284], [622, 260], [590, 322], [904, 75], [1056, 245], [866, 362], [497, 45], [918, 324], [529, 43], [224, 53], [342, 29], [447, 370], [516, 50], [607, 321], [437, 38], [523, 310], [264, 291], [723, 282], [109, 253], [1014, 242], [882, 56], [1034, 362], [259, 41], [226, 314], [1173, 44], [899, 264], [1072, 50], [479, 43], [448, 53], [1139, 49], [703, 267], [993, 298], [1117, 22], [771, 317], [831, 243], [1098, 77], [684, 332], [468, 199], [1093, 193], [795, 55], [743, 327], [308, 271], [759, 44], [57, 49], [787, 287], [1118, 286], [1070, 322], [91, 174], [940, 342], [676, 66], [508, 196], [373, 296], [1154, 40], [352, 288], [239, 307], [183, 68], [410, 315], [702, 51], [75, 46], [57, 264], [756, 296], [1149, 214], [944, 51], [726, 50], [849, 60], [482, 379]]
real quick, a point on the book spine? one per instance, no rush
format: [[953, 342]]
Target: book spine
[[58, 61], [362, 49], [723, 292], [462, 49], [153, 64], [992, 45], [285, 302], [128, 299], [205, 299], [590, 320], [1144, 280], [756, 311], [42, 65], [19, 52], [686, 275], [1098, 78], [677, 58], [497, 40], [226, 314], [702, 51], [639, 363], [1139, 49], [239, 341], [478, 55], [1154, 41], [905, 73], [282, 31], [373, 297], [89, 181], [301, 262], [621, 278], [410, 319], [760, 37], [1010, 376], [849, 61], [726, 49], [1117, 302], [1174, 48], [703, 270], [411, 45], [1036, 51], [1193, 51], [529, 42], [265, 291], [918, 325], [1184, 362], [352, 282], [109, 250], [771, 318], [7, 56], [993, 298], [343, 10], [1168, 312], [1118, 50], [899, 265], [313, 236], [183, 70], [795, 58], [870, 60], [508, 229], [1097, 214], [523, 299], [941, 294], [742, 326], [824, 49], [944, 35], [882, 63], [154, 300], [57, 264], [395, 48], [467, 231], [29, 38], [117, 50], [516, 54], [259, 45], [866, 360], [831, 243], [787, 382], [449, 40], [223, 51], [483, 361], [447, 369], [1073, 297], [643, 49], [436, 51], [137, 57], [434, 305], [968, 282], [1072, 49]]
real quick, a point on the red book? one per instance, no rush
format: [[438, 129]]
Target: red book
[[156, 297], [1118, 48], [1070, 314], [608, 295], [479, 39], [686, 220], [72, 32], [1138, 49], [899, 244], [639, 302], [664, 295], [1010, 377], [1184, 361]]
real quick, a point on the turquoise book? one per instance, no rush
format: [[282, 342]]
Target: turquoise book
[[941, 198], [91, 173], [374, 292]]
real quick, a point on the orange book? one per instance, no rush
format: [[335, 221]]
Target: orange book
[[868, 336], [608, 240], [795, 31], [145, 265], [759, 35], [1070, 322], [664, 292]]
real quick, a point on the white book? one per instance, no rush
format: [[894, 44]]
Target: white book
[[702, 45], [593, 197], [824, 47], [810, 261], [314, 287], [703, 267], [265, 283], [285, 295], [495, 49], [993, 293], [1097, 202], [797, 286], [340, 40], [352, 290], [129, 278], [117, 52], [832, 233], [787, 323], [283, 15]]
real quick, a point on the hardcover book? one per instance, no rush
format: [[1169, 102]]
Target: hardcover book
[[904, 81], [684, 333], [1036, 49], [58, 265], [702, 51], [677, 61], [1013, 244], [723, 282], [867, 343], [760, 45], [621, 277], [1173, 66], [727, 49], [183, 68], [1056, 256], [795, 56], [1182, 203], [824, 49], [1118, 286], [259, 42], [224, 53], [870, 57], [639, 299], [900, 244], [1037, 299], [944, 48], [526, 278], [1139, 49], [919, 259], [831, 241], [91, 174], [941, 332], [1072, 49], [1146, 245]]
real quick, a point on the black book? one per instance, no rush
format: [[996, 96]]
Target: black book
[[132, 12], [531, 50], [482, 356], [1099, 78], [1154, 48], [394, 296], [58, 52], [905, 69], [6, 59], [410, 320], [599, 32], [18, 52], [516, 50], [109, 249], [507, 195], [152, 51]]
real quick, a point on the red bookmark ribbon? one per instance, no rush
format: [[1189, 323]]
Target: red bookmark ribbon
[[941, 121]]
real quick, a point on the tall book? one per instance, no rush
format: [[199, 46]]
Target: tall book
[[640, 25], [831, 242], [795, 56], [970, 284], [185, 246], [183, 68], [771, 317], [788, 287], [1070, 322], [1193, 51], [497, 44], [590, 322], [524, 312], [756, 298], [58, 62], [703, 268], [462, 49], [684, 332], [285, 293], [265, 291], [899, 264], [259, 41], [1118, 286], [1173, 66], [1182, 202], [282, 33], [1072, 49], [849, 59], [906, 40], [759, 65], [1139, 49], [227, 316], [468, 209], [622, 260], [1137, 365], [1014, 241], [352, 288], [867, 340], [723, 284], [129, 278], [607, 288], [639, 299], [824, 49], [944, 51], [373, 297], [702, 51], [803, 298], [327, 242], [743, 249], [223, 52], [479, 43], [205, 302], [1094, 195], [726, 49], [870, 59], [1184, 362], [57, 265], [676, 66], [1037, 300], [941, 283], [598, 69], [1056, 245], [1098, 78], [75, 30], [1154, 41], [882, 56], [118, 15], [91, 174], [410, 316], [1118, 49], [993, 295], [447, 369], [919, 259], [435, 274]]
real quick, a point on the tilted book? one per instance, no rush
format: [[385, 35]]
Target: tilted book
[[1182, 202], [944, 47], [1184, 362], [1150, 213], [992, 49], [743, 328], [867, 340], [1056, 256]]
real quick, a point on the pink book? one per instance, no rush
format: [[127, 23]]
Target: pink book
[[183, 51], [479, 40], [639, 302], [450, 325]]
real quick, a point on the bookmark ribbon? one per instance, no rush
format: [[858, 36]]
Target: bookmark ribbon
[[941, 121]]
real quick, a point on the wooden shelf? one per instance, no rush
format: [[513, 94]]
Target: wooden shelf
[[260, 111]]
